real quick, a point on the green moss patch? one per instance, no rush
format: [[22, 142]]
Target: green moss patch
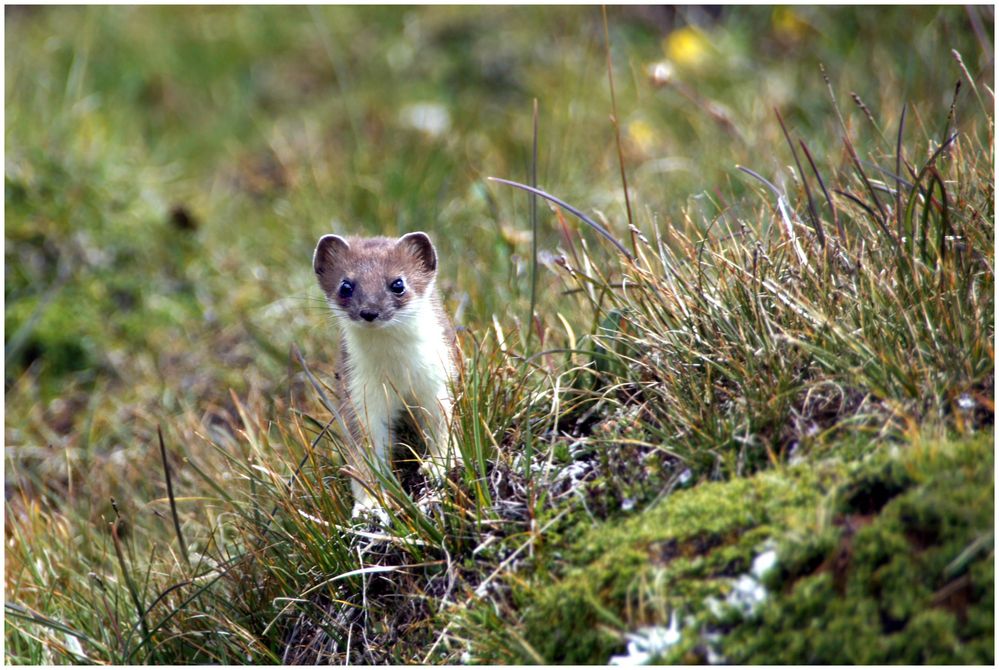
[[907, 579], [680, 552], [888, 560]]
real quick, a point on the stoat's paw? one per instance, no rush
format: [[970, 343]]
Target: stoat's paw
[[370, 512]]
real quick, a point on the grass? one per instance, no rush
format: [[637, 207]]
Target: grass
[[806, 333]]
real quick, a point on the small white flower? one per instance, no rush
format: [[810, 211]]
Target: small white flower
[[966, 402], [429, 117], [660, 73]]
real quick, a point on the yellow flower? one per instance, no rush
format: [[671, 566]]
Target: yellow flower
[[687, 46], [788, 25], [643, 135]]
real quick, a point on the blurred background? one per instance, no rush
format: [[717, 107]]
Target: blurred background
[[168, 170]]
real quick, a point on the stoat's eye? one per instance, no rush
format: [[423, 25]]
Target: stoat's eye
[[398, 286], [346, 289]]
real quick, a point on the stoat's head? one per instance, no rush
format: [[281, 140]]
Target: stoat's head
[[375, 281]]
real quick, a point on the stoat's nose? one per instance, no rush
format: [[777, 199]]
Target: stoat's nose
[[368, 315]]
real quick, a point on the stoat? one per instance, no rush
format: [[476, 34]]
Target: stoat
[[398, 354]]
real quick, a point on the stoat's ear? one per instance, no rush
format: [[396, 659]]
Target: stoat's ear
[[419, 245], [329, 247]]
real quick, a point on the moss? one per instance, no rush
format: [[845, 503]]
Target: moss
[[54, 335], [874, 488], [713, 510], [888, 560], [904, 585], [674, 555]]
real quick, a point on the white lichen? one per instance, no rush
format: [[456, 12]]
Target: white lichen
[[646, 644], [764, 563], [747, 595]]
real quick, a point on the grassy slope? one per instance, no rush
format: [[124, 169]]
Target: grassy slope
[[168, 171]]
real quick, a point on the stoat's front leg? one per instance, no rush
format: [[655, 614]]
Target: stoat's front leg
[[436, 426], [375, 417]]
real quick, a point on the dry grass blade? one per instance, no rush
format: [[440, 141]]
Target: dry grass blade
[[825, 192], [939, 151], [867, 113], [898, 171], [27, 614], [561, 203], [951, 113], [784, 210], [857, 201], [133, 590], [967, 75], [173, 501], [813, 214], [851, 150]]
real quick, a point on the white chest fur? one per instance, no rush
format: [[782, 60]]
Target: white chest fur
[[404, 364]]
